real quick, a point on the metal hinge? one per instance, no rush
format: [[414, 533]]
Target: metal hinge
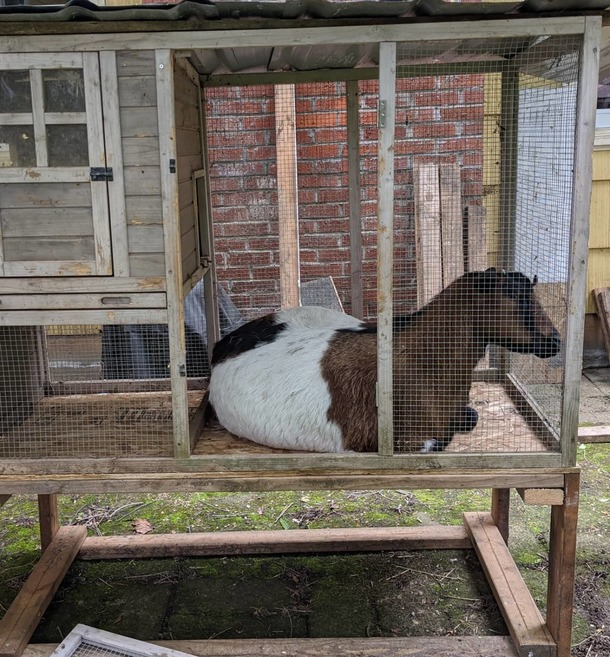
[[101, 173], [381, 113]]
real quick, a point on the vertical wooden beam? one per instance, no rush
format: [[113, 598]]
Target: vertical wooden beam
[[164, 65], [40, 127], [452, 222], [288, 201], [114, 159], [509, 132], [353, 163], [500, 510], [49, 519], [476, 230], [385, 244], [203, 198], [428, 252], [562, 566], [579, 236]]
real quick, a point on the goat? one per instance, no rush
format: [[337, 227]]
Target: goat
[[305, 378]]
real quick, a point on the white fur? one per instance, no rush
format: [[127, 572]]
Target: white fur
[[274, 394]]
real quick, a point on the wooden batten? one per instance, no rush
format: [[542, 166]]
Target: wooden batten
[[523, 619], [541, 496], [275, 542], [600, 434], [22, 617], [48, 516]]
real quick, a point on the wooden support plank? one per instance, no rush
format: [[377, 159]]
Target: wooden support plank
[[452, 228], [275, 542], [602, 303], [541, 496], [353, 159], [500, 510], [476, 230], [427, 231], [599, 434], [446, 646], [531, 636], [562, 566], [288, 205], [49, 519], [22, 617], [4, 499]]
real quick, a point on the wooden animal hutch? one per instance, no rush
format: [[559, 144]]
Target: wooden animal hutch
[[128, 174]]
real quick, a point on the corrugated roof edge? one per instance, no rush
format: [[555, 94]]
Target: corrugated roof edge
[[84, 10]]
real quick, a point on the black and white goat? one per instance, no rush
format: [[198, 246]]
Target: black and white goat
[[305, 378]]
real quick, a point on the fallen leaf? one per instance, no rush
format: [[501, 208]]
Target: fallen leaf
[[141, 526]]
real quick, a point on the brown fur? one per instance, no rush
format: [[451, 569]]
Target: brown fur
[[435, 352]]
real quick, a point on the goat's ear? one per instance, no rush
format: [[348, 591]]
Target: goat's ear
[[487, 281]]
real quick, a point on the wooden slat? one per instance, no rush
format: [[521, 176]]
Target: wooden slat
[[292, 541], [500, 510], [97, 158], [22, 617], [541, 496], [80, 285], [602, 303], [477, 238], [427, 231], [40, 128], [82, 301], [599, 434], [49, 519], [78, 317], [523, 619], [47, 222], [288, 207], [447, 646], [452, 230], [114, 158], [355, 214]]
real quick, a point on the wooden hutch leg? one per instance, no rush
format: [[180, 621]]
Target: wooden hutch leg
[[562, 565], [49, 519], [500, 509]]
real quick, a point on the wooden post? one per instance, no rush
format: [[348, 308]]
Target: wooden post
[[579, 237], [353, 163], [49, 519], [386, 119], [562, 565], [500, 510], [288, 202]]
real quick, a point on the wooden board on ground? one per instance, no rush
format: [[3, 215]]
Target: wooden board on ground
[[22, 617], [446, 646], [523, 619]]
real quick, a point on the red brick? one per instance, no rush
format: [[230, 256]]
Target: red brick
[[436, 98], [264, 243], [244, 228], [461, 144], [431, 130]]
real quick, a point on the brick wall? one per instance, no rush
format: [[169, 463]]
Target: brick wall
[[439, 119]]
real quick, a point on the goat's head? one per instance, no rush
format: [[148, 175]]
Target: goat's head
[[508, 314]]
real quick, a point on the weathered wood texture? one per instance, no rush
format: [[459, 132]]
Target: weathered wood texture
[[447, 646], [142, 180], [189, 148], [22, 617], [602, 303], [541, 496], [523, 619], [48, 518], [275, 542]]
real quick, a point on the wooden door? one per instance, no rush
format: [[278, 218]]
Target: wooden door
[[54, 210]]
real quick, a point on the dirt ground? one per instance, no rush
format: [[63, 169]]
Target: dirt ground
[[391, 594]]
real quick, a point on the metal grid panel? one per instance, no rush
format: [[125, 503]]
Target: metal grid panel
[[85, 391], [484, 161]]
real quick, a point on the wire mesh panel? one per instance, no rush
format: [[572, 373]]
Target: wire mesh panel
[[484, 161], [86, 391]]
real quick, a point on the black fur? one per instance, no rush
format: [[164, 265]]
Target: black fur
[[246, 337]]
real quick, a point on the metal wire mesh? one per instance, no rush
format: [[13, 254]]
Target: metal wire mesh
[[484, 157], [81, 391]]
